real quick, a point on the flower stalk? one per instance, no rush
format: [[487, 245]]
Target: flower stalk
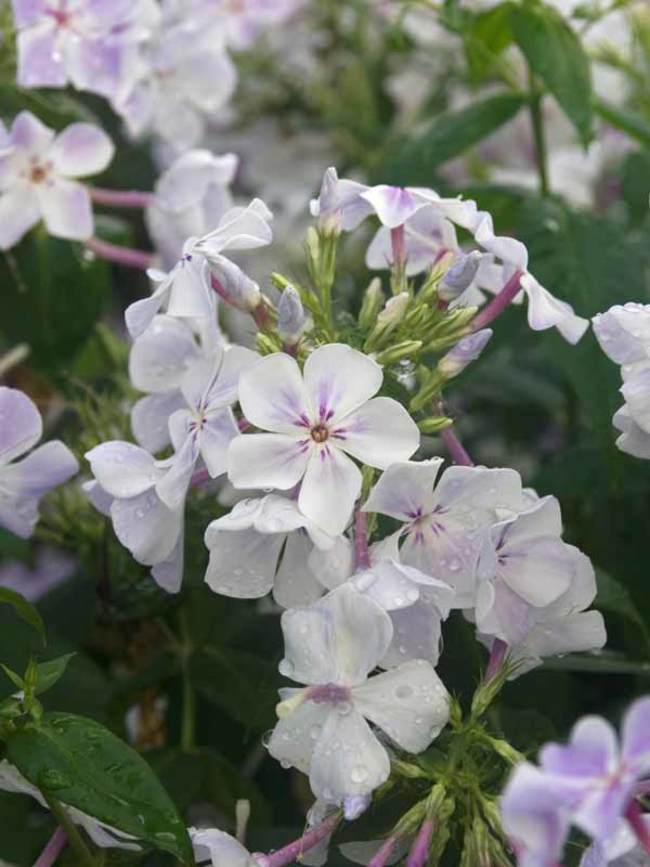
[[128, 256], [121, 198], [292, 851]]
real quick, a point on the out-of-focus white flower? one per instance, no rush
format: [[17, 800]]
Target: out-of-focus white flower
[[38, 171]]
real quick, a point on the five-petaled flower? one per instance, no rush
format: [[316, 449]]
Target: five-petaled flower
[[37, 178], [316, 420]]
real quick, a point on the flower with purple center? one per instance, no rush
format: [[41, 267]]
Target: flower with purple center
[[590, 783], [332, 647], [24, 482], [89, 43], [316, 419], [38, 172], [441, 525]]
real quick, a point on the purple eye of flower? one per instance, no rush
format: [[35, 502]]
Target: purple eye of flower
[[320, 433]]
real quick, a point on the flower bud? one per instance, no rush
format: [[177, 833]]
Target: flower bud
[[459, 276], [235, 287], [291, 316], [405, 349], [373, 298], [464, 352], [390, 317]]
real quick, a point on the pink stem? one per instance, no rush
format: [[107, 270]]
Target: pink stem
[[455, 448], [420, 849], [121, 198], [362, 555], [293, 851], [380, 858], [120, 255], [55, 846], [636, 819], [243, 424], [398, 245], [199, 477], [498, 653], [499, 303]]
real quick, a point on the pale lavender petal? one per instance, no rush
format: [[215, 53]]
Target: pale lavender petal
[[635, 735], [338, 380], [27, 11], [45, 468], [393, 205], [40, 64], [217, 432], [379, 433], [20, 424], [81, 149], [123, 469], [331, 485], [273, 397], [405, 490], [266, 461], [19, 212], [66, 209]]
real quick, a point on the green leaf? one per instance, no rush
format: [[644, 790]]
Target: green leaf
[[634, 125], [449, 135], [13, 676], [600, 663], [486, 38], [48, 673], [556, 56], [82, 764], [23, 609], [53, 297]]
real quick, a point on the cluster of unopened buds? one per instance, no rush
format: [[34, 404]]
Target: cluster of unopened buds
[[311, 431]]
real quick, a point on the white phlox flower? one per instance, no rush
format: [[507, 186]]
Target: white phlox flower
[[315, 420], [442, 525], [323, 730], [186, 291]]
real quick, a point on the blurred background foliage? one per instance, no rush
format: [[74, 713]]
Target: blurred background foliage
[[502, 102]]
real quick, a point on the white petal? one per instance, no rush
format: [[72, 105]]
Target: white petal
[[348, 759], [30, 134], [347, 636], [21, 426], [295, 584], [150, 419], [191, 294], [161, 356], [295, 735], [98, 497], [546, 311], [242, 562], [633, 440], [139, 315], [266, 461], [240, 229], [123, 469], [405, 490], [66, 209], [409, 703], [416, 634], [273, 397], [168, 573], [539, 571], [218, 847], [330, 488], [145, 526], [81, 149], [218, 431], [340, 379], [225, 388], [172, 487], [335, 565], [19, 211], [379, 433]]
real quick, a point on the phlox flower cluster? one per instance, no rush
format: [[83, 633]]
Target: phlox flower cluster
[[137, 55], [303, 429]]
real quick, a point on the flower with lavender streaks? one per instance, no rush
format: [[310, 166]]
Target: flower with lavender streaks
[[591, 783], [38, 171], [332, 647], [441, 525], [316, 420], [186, 290], [206, 427], [24, 482], [158, 362]]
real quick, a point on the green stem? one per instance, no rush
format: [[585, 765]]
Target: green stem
[[74, 837], [538, 134], [188, 725]]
